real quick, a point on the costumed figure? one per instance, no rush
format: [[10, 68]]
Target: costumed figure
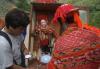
[[43, 34], [78, 47]]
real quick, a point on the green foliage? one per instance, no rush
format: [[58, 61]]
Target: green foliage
[[95, 18], [93, 5], [23, 4]]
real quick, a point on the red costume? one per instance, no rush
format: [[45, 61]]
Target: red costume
[[78, 47], [43, 36]]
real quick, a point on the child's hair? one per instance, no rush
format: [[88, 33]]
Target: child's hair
[[16, 18]]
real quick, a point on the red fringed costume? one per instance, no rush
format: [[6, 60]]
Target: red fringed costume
[[43, 37], [78, 47]]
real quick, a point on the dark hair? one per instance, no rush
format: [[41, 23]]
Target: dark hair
[[69, 19], [16, 18]]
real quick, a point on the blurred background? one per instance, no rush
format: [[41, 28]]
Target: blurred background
[[92, 5]]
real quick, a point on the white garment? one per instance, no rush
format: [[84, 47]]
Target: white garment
[[14, 52], [6, 56], [16, 46]]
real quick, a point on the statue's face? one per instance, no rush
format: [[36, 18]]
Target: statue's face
[[43, 23]]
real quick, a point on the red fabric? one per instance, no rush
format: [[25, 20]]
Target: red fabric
[[71, 28], [39, 17], [77, 50], [44, 34], [78, 20], [44, 42], [62, 12], [66, 8], [96, 30], [51, 65]]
